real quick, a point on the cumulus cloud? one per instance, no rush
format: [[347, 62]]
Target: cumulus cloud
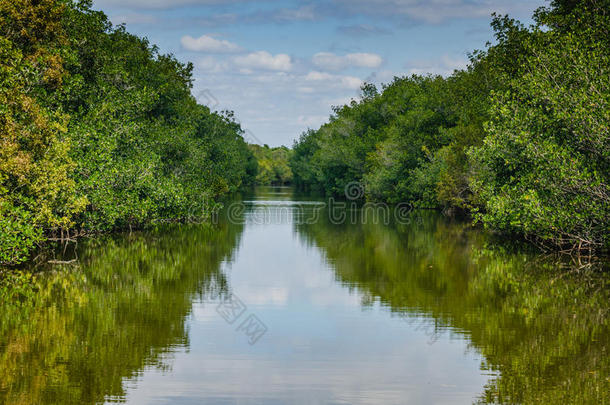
[[209, 64], [265, 61], [346, 82], [318, 76], [207, 43], [331, 61]]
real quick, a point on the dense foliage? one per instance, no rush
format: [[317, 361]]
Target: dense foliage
[[99, 131], [520, 139], [272, 164]]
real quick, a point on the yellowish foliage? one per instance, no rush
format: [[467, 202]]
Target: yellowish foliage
[[34, 163]]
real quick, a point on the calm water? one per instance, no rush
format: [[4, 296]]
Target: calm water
[[286, 304]]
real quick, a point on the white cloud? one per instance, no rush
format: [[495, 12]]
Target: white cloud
[[346, 82], [209, 64], [351, 82], [317, 76], [331, 61], [207, 43], [264, 61]]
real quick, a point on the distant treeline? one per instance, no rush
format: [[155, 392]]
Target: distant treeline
[[273, 165], [520, 139], [99, 131]]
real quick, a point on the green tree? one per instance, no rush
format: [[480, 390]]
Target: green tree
[[273, 165], [544, 168], [36, 190], [99, 131]]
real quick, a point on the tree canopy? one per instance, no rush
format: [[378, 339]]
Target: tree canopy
[[273, 165], [519, 139], [99, 130]]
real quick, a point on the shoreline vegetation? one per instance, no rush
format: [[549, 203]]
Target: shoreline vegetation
[[100, 132], [519, 140], [273, 165]]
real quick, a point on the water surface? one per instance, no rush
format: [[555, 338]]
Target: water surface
[[283, 304]]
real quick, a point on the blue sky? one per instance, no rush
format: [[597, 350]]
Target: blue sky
[[281, 64]]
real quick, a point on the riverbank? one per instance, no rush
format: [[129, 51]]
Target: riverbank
[[100, 131], [518, 139]]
